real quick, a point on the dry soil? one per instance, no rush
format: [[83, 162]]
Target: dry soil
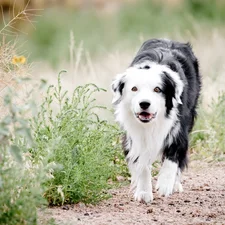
[[202, 202]]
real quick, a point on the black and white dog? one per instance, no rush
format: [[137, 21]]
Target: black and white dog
[[155, 103]]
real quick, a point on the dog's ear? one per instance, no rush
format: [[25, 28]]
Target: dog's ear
[[117, 87]]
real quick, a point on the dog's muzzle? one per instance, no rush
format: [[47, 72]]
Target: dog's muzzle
[[145, 117]]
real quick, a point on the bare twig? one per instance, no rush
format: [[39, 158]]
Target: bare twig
[[20, 16]]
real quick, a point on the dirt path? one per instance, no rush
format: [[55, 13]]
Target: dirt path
[[202, 202]]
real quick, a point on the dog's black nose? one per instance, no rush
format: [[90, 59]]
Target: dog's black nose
[[144, 105]]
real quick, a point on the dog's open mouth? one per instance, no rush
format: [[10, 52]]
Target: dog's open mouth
[[146, 117]]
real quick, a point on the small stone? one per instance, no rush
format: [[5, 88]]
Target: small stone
[[81, 205], [149, 211], [86, 214], [120, 178], [65, 207], [172, 204]]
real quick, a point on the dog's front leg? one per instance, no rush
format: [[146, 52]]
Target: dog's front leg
[[141, 182], [167, 178]]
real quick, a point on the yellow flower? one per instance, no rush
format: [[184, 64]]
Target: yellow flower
[[18, 60], [14, 60], [22, 59]]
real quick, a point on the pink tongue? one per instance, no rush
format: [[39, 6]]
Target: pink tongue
[[145, 116]]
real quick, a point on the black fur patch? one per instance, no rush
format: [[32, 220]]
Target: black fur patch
[[120, 87], [146, 67], [168, 90]]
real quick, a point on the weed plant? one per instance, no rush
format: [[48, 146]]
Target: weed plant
[[21, 179], [84, 146]]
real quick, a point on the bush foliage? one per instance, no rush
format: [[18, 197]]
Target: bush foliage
[[65, 153], [84, 146], [21, 179]]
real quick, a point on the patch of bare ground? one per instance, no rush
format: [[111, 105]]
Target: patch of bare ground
[[202, 202]]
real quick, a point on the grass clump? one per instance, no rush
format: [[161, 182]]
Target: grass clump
[[84, 146], [208, 137]]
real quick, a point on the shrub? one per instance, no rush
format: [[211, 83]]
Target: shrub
[[84, 146], [20, 179]]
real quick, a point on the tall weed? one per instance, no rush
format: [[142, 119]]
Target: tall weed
[[84, 146]]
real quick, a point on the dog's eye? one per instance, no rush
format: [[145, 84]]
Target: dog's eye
[[157, 90], [134, 88]]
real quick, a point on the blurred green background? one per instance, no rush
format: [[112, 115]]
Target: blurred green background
[[103, 25]]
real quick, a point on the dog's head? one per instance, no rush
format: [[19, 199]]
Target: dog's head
[[148, 91]]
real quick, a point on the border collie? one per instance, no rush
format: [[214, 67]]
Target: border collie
[[155, 103]]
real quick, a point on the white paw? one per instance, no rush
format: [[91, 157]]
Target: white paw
[[178, 187], [143, 196], [165, 185]]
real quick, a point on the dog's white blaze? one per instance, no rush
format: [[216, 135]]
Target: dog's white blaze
[[167, 178], [176, 78]]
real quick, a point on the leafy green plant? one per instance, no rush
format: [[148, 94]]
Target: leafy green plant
[[84, 146], [208, 137], [20, 179]]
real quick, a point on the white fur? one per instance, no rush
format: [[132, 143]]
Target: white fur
[[178, 186], [167, 178], [148, 138]]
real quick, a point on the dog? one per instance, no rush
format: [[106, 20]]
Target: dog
[[155, 102]]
